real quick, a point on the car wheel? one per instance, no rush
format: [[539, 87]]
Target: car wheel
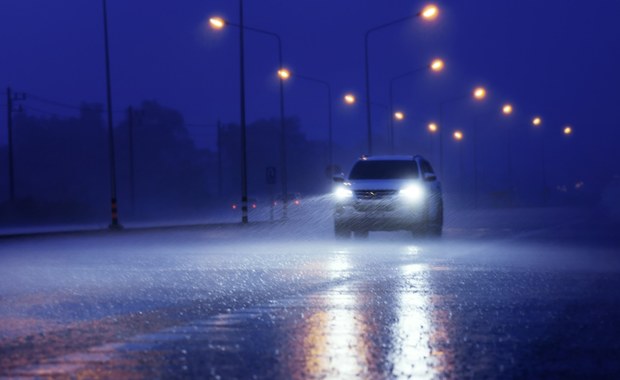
[[342, 231], [432, 225], [435, 224]]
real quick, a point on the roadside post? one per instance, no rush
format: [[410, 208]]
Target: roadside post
[[271, 179]]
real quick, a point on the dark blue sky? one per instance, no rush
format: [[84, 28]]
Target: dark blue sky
[[556, 58]]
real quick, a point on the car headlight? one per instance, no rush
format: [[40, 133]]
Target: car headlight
[[342, 193], [412, 193]]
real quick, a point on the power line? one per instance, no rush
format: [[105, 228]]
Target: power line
[[53, 102], [35, 109], [62, 104]]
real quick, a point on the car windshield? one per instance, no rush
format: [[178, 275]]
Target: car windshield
[[388, 169]]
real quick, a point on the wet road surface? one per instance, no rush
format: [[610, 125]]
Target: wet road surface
[[505, 298]]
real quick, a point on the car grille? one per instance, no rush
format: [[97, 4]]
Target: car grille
[[374, 194]]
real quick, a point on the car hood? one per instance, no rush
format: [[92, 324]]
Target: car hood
[[381, 184]]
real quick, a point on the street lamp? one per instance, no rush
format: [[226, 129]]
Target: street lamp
[[219, 23], [507, 111], [399, 115], [436, 65], [479, 93], [432, 129], [458, 137], [429, 12], [284, 74], [349, 98], [537, 122], [568, 130]]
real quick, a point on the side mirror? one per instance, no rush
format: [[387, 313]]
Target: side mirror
[[430, 177], [338, 178]]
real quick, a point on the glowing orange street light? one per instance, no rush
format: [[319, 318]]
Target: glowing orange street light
[[507, 109], [284, 74], [349, 98], [536, 121], [217, 22], [437, 65], [480, 93], [430, 12], [432, 127], [458, 135], [399, 115], [568, 130]]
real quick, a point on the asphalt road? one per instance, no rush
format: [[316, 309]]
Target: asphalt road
[[510, 294]]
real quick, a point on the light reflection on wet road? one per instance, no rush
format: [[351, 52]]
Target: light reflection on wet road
[[191, 304]]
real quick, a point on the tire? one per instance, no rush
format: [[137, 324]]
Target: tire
[[434, 231], [432, 225], [435, 224], [342, 231]]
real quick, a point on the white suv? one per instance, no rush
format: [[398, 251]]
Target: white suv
[[387, 193]]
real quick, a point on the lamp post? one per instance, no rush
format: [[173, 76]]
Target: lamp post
[[430, 12], [350, 100], [537, 124], [458, 137], [330, 150], [436, 65], [432, 129], [507, 111], [479, 93], [114, 225], [476, 119], [219, 23]]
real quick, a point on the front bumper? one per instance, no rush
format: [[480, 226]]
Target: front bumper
[[383, 215]]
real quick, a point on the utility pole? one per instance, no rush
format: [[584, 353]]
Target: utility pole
[[132, 184], [283, 159], [244, 161], [114, 225]]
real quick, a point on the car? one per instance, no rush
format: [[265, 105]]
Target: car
[[388, 193]]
